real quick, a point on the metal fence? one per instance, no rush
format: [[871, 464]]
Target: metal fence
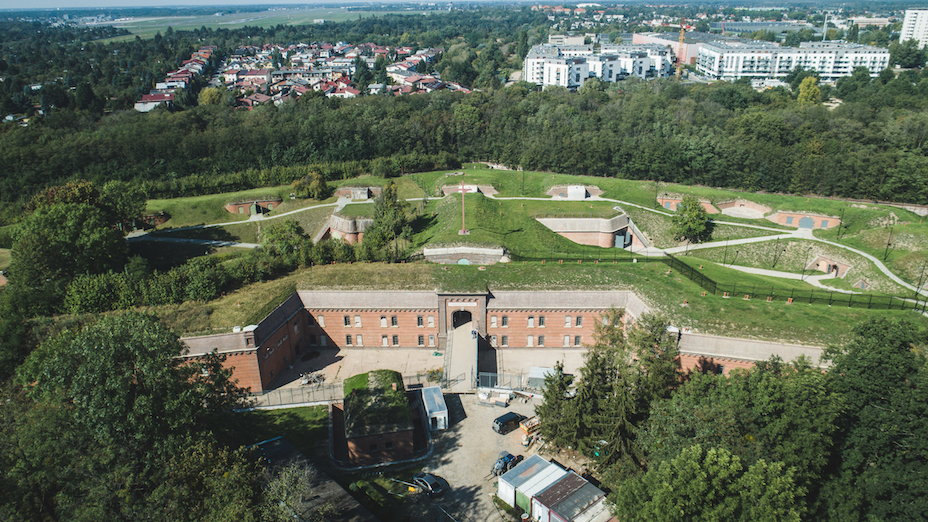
[[794, 295], [770, 293], [334, 391], [509, 381]]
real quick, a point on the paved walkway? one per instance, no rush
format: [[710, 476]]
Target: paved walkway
[[812, 279], [461, 358], [205, 242]]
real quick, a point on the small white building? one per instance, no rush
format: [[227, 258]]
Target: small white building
[[435, 408]]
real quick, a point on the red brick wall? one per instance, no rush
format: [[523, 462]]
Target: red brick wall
[[233, 208], [371, 331], [689, 361], [280, 349], [599, 239], [553, 331], [245, 370], [371, 449]]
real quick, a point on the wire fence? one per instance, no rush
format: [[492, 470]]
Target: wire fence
[[768, 293], [334, 391]]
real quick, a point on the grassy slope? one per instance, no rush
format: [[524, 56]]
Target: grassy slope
[[807, 323], [200, 210], [794, 255], [4, 258]]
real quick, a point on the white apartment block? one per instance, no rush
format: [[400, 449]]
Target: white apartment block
[[915, 26], [761, 60], [571, 65]]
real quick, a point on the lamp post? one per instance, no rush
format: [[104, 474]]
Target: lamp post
[[463, 231]]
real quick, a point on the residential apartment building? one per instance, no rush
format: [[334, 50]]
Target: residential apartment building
[[915, 26], [762, 60], [571, 65]]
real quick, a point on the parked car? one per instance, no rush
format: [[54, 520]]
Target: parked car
[[506, 422], [514, 462], [502, 463], [428, 483]]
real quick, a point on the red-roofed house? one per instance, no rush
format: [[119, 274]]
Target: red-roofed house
[[149, 101]]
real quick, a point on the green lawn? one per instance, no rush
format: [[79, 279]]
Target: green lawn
[[147, 27], [4, 258], [357, 210], [305, 427], [199, 210]]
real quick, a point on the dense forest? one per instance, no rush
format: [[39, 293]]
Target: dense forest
[[777, 442], [871, 146]]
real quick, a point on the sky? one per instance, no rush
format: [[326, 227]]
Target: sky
[[74, 4]]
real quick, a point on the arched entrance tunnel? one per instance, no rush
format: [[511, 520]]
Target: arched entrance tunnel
[[460, 317]]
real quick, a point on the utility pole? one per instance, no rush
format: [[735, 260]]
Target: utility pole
[[841, 223], [889, 242], [463, 231]]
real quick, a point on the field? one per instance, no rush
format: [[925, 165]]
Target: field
[[148, 27], [4, 258]]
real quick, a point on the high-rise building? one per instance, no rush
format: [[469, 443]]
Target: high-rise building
[[915, 26], [571, 65]]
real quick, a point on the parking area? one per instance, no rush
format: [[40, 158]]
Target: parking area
[[465, 453]]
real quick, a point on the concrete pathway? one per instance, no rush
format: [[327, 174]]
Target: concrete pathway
[[205, 242], [461, 359], [812, 279]]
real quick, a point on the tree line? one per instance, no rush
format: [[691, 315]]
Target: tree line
[[781, 441]]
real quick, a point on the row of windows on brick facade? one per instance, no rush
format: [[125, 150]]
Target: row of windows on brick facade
[[530, 321], [393, 321], [394, 340], [495, 321], [531, 340], [358, 340]]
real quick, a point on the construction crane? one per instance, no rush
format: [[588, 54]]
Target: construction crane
[[680, 48]]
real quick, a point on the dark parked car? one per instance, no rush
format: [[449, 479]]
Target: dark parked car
[[428, 483], [506, 422]]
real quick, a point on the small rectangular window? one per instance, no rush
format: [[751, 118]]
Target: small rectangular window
[[541, 340], [789, 220], [348, 340], [431, 321], [541, 321], [384, 340], [566, 341], [383, 321], [825, 224], [396, 340], [579, 320], [357, 321], [394, 321], [492, 340], [421, 340], [530, 341], [419, 321], [492, 321], [531, 321], [505, 340], [505, 321], [431, 340], [577, 340], [358, 341], [321, 320], [347, 321]]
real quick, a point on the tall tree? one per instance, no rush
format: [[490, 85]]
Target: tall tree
[[710, 484], [691, 222], [880, 470], [809, 91], [555, 409]]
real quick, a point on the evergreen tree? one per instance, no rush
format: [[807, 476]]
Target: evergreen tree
[[555, 409]]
